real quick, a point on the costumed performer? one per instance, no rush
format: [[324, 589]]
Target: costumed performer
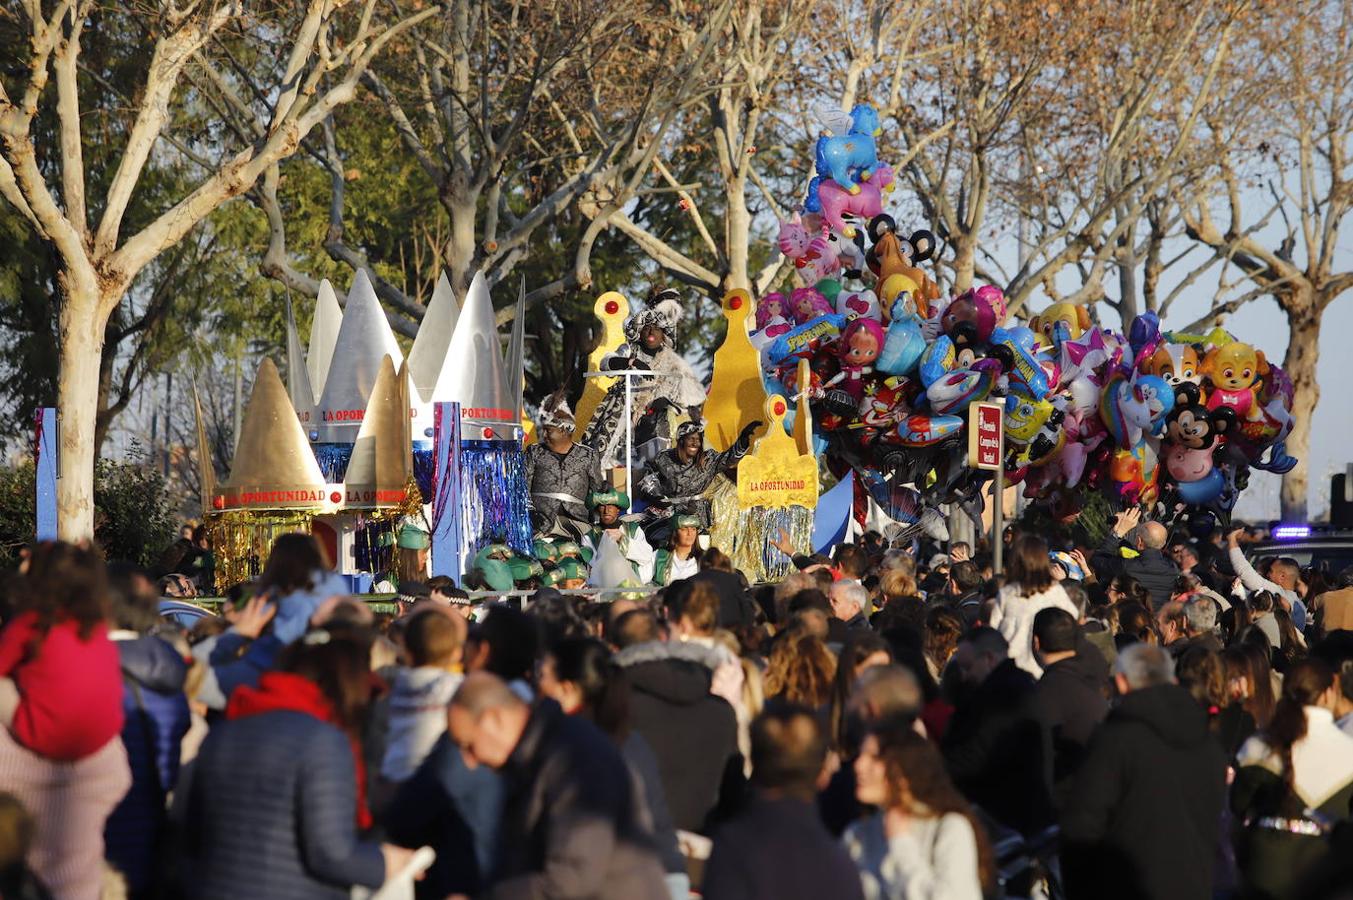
[[560, 473], [607, 507], [676, 479], [681, 557], [650, 345]]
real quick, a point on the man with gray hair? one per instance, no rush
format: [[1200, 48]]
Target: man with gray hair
[[849, 600], [1136, 547], [1200, 622], [1142, 817]]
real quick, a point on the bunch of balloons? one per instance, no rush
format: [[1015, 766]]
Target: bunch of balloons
[[1148, 417]]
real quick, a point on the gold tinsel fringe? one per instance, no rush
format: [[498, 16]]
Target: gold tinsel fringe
[[242, 539], [745, 534]]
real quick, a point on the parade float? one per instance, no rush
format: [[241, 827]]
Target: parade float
[[857, 374]]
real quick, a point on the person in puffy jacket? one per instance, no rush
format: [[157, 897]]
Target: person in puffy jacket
[[273, 804], [156, 719]]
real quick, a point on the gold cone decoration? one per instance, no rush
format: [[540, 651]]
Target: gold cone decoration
[[736, 390], [381, 465], [274, 467], [206, 471], [612, 309]]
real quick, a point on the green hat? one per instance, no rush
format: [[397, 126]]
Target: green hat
[[569, 549], [411, 537], [496, 551], [523, 568], [545, 551], [686, 520], [612, 497], [568, 570], [497, 574]]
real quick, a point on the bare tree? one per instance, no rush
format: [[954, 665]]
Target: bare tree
[[1071, 121], [326, 55], [516, 113], [1283, 185]]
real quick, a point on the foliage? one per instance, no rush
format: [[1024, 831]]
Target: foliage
[[133, 520], [133, 516], [1089, 528]]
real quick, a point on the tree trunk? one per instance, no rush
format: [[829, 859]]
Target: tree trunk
[[1303, 352], [459, 252], [77, 398], [965, 260], [739, 224]]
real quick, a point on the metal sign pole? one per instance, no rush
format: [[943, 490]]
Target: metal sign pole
[[629, 441], [998, 515]]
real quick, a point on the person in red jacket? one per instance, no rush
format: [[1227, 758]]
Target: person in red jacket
[[60, 678]]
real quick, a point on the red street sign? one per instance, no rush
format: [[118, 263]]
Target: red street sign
[[985, 426]]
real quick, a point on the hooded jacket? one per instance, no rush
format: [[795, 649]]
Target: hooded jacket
[[1143, 816], [419, 697], [574, 819], [156, 718], [693, 734], [1069, 704]]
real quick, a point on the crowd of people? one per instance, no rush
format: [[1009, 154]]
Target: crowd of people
[[1150, 718]]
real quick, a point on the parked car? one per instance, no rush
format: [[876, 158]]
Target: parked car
[[1328, 550]]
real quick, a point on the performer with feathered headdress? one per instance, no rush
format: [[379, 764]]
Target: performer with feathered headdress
[[561, 474], [650, 338]]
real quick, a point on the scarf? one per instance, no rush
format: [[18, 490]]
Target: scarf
[[285, 691]]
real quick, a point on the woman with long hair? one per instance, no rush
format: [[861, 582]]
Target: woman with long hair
[[863, 650], [1202, 673], [1291, 645], [1126, 589], [1293, 785], [1249, 678], [924, 841], [579, 675], [297, 578], [943, 628], [1135, 625], [800, 671], [1029, 588], [302, 794]]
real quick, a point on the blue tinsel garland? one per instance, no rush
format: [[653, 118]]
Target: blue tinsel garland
[[424, 467], [493, 495]]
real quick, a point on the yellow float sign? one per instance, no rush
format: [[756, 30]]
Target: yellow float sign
[[776, 474]]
